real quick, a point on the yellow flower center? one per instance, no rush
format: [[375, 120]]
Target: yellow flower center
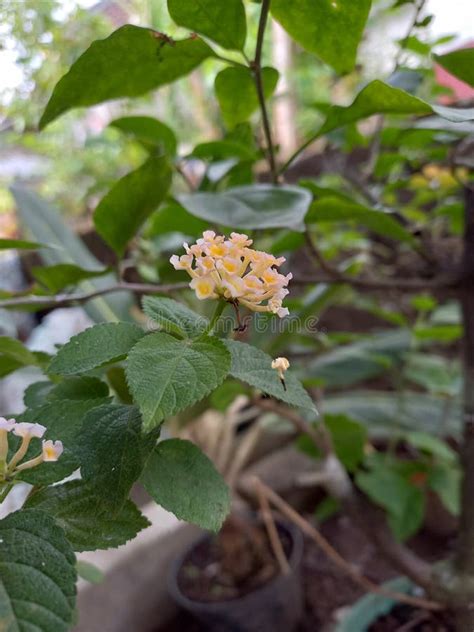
[[217, 250], [204, 287]]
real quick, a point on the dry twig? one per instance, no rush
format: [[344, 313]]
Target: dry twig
[[272, 532], [337, 558]]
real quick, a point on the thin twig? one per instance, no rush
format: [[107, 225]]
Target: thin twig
[[272, 532], [337, 558], [256, 67], [407, 285], [319, 258], [403, 43], [361, 185], [180, 169], [60, 300], [227, 60], [320, 440], [410, 625], [415, 284], [297, 152], [367, 517]]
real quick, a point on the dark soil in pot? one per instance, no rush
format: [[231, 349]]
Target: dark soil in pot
[[327, 590], [232, 583], [405, 618]]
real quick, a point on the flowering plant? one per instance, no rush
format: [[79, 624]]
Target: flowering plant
[[231, 270], [109, 438], [105, 395]]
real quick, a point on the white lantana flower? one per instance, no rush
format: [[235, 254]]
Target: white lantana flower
[[52, 450], [6, 426], [28, 430], [231, 270]]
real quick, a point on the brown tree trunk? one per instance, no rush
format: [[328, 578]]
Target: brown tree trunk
[[465, 552]]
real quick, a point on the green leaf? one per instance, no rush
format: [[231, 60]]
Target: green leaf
[[14, 355], [130, 201], [48, 226], [438, 333], [380, 98], [326, 509], [416, 45], [434, 373], [376, 98], [445, 480], [20, 244], [112, 451], [89, 525], [459, 63], [94, 347], [234, 81], [329, 29], [128, 63], [332, 209], [349, 438], [118, 382], [61, 275], [180, 478], [223, 21], [166, 375], [149, 131], [79, 388], [455, 115], [37, 574], [63, 420], [324, 192], [254, 367], [223, 149], [381, 412], [35, 394], [172, 218], [255, 206], [89, 572], [404, 502], [9, 365], [371, 607], [72, 388], [174, 317], [434, 446], [411, 516], [359, 361], [225, 394]]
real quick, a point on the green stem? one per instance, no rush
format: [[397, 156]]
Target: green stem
[[215, 317], [297, 152], [5, 491], [233, 62], [256, 67]]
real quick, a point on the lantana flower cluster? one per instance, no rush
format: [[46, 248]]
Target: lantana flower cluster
[[50, 450], [231, 270]]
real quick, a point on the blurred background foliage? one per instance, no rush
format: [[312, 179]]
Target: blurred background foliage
[[41, 40]]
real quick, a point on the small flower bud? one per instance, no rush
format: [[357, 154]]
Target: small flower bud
[[52, 450], [281, 365]]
